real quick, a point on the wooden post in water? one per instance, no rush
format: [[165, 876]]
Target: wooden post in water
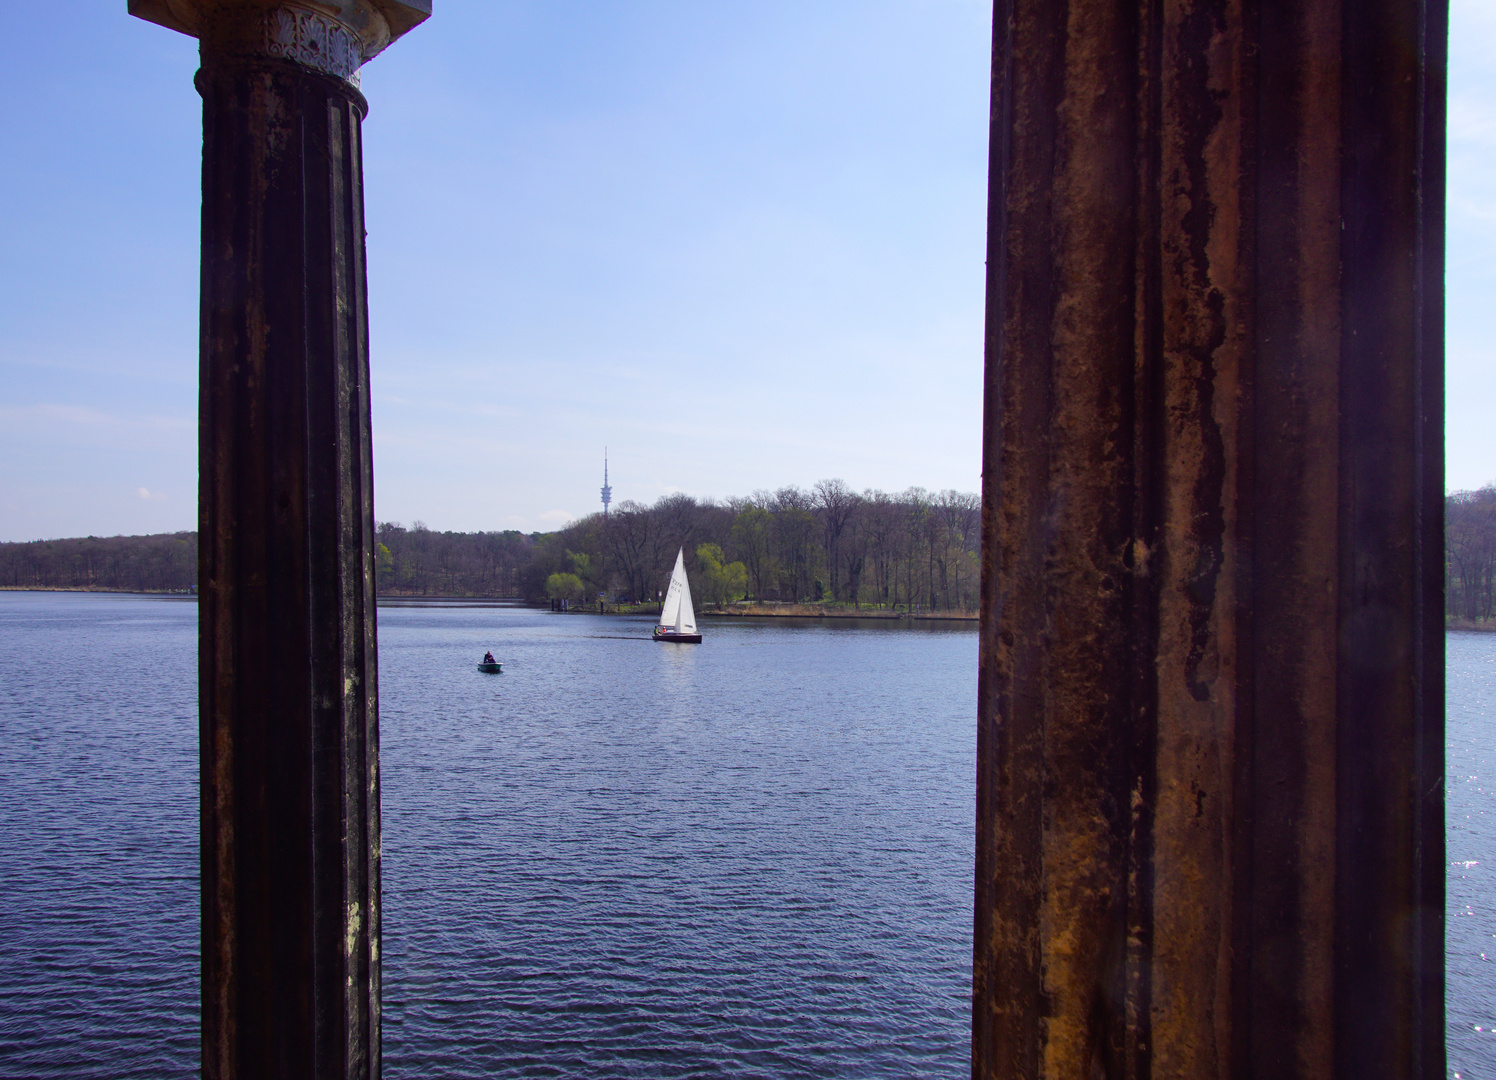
[[288, 699], [1210, 813]]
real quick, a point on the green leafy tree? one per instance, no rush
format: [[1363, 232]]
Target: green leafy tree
[[565, 587], [585, 567], [735, 578], [719, 582]]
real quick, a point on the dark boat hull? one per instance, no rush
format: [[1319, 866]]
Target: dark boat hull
[[680, 639], [490, 669]]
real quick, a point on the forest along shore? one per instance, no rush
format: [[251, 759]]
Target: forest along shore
[[912, 550], [825, 552], [1486, 626]]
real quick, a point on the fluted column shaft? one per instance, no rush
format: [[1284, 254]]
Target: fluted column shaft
[[1210, 818], [290, 782], [288, 684]]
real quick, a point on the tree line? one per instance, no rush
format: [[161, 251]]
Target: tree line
[[915, 548], [418, 561], [1470, 554], [163, 562], [826, 543]]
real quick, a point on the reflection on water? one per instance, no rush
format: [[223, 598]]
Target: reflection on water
[[679, 666]]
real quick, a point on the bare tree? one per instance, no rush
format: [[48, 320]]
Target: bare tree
[[794, 530], [752, 539], [633, 545], [834, 505], [1470, 552]]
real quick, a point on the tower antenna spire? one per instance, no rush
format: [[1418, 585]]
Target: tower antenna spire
[[607, 490]]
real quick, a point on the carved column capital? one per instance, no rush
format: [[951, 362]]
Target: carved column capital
[[333, 38]]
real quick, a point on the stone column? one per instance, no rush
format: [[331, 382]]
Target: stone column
[[1210, 814], [288, 699]]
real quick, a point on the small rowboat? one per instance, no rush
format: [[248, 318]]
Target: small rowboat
[[491, 669]]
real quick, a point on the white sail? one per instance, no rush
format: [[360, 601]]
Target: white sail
[[677, 615], [670, 612], [685, 620]]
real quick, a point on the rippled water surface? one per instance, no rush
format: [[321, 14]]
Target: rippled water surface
[[1470, 829], [617, 858], [98, 836]]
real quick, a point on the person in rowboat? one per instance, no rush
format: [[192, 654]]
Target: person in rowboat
[[488, 658]]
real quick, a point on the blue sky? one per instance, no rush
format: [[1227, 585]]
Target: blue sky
[[1470, 266], [742, 247]]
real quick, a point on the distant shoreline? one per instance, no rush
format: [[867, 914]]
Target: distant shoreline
[[780, 611], [1474, 626], [99, 589], [840, 613]]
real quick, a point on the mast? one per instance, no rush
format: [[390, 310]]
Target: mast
[[607, 489]]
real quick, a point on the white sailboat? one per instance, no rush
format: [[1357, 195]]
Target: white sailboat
[[677, 616]]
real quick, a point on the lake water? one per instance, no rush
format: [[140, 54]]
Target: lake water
[[617, 858], [1470, 839]]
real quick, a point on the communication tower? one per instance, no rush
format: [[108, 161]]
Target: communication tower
[[607, 491]]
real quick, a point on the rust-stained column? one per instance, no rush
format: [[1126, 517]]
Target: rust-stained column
[[1210, 813], [288, 699]]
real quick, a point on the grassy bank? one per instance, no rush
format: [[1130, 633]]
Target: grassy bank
[[772, 610]]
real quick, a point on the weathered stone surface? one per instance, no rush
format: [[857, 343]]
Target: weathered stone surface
[[288, 682], [289, 701], [1210, 740], [310, 33]]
